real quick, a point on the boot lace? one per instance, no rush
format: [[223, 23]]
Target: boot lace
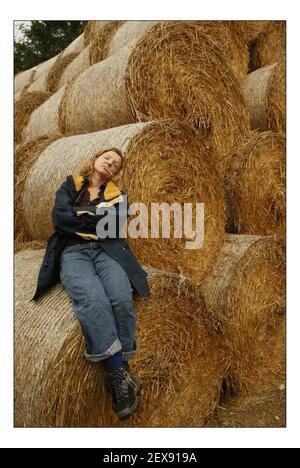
[[119, 383]]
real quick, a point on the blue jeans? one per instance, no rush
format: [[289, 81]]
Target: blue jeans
[[102, 300]]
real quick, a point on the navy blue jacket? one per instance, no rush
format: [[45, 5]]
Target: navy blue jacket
[[69, 221]]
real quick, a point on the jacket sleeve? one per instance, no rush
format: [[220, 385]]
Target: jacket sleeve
[[117, 211], [63, 219]]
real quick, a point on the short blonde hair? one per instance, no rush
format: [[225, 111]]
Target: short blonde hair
[[88, 167]]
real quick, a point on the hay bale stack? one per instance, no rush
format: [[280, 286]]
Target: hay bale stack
[[89, 30], [77, 66], [100, 39], [129, 34], [264, 410], [220, 32], [155, 79], [256, 186], [234, 48], [248, 30], [25, 155], [179, 358], [24, 106], [271, 45], [164, 162], [95, 29], [54, 75], [94, 52], [17, 96], [76, 46], [23, 80], [246, 292], [264, 93], [40, 78], [44, 121]]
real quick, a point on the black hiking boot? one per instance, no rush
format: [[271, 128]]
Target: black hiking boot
[[123, 391], [136, 381]]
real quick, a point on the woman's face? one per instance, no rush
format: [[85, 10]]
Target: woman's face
[[108, 164]]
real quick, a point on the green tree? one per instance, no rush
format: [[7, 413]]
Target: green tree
[[42, 40]]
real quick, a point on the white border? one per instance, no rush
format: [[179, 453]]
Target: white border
[[188, 9]]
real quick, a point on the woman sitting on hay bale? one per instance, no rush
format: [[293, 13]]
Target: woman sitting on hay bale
[[100, 274]]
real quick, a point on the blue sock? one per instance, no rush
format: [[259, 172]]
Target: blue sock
[[113, 362]]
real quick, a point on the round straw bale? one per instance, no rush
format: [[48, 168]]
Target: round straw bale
[[264, 93], [164, 162], [23, 109], [88, 30], [17, 96], [271, 45], [129, 34], [267, 409], [54, 75], [246, 292], [24, 79], [180, 359], [173, 71], [249, 30], [78, 65], [76, 46], [92, 29], [220, 32], [40, 83], [44, 121], [256, 185], [95, 51], [44, 67], [104, 102], [25, 155], [100, 40], [227, 38]]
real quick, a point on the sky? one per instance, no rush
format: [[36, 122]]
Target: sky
[[17, 33]]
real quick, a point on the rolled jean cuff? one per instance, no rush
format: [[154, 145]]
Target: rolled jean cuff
[[113, 349], [129, 354]]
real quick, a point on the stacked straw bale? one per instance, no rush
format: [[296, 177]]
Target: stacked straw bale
[[25, 156], [48, 74], [173, 71], [164, 162], [54, 75], [76, 46], [180, 359], [91, 28], [271, 45], [41, 73], [256, 186], [249, 30], [267, 409], [265, 98], [246, 293], [100, 39], [45, 120], [23, 80], [24, 106], [95, 51], [64, 60], [221, 33], [78, 65]]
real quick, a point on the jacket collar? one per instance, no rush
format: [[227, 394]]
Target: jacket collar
[[111, 189]]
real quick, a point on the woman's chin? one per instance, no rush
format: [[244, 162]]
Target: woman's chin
[[105, 174]]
